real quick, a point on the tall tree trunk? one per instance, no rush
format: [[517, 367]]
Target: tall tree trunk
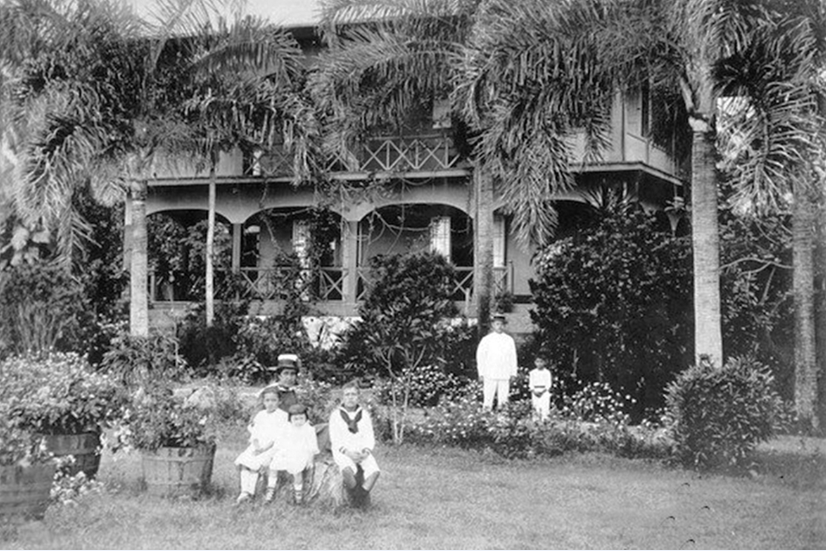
[[483, 262], [138, 300], [820, 305], [708, 339], [805, 368], [209, 290]]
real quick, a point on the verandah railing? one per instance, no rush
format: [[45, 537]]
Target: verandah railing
[[325, 284], [264, 284]]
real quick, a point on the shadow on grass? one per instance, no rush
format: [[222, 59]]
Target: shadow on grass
[[797, 462]]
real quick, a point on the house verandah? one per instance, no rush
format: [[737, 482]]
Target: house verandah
[[408, 193]]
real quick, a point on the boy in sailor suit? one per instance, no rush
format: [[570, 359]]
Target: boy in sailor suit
[[539, 379], [352, 442]]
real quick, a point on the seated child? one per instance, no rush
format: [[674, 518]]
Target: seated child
[[296, 446], [539, 380], [264, 429], [352, 442]]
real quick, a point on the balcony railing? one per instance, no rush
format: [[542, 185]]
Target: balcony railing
[[461, 286], [426, 152], [264, 284], [324, 284]]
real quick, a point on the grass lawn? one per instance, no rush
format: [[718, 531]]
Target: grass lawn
[[446, 498]]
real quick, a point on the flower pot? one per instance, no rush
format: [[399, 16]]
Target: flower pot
[[85, 447], [176, 472], [24, 491]]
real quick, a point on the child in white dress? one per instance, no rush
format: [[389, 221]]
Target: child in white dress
[[264, 429], [296, 446]]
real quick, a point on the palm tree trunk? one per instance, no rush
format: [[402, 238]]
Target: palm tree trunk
[[805, 383], [708, 340], [483, 262], [820, 307], [138, 300], [210, 246]]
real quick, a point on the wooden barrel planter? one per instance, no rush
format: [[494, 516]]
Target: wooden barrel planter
[[24, 491], [178, 472], [85, 447]]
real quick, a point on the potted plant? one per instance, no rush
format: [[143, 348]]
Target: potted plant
[[59, 397], [176, 440], [26, 472]]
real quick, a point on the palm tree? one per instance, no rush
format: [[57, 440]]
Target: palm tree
[[774, 149], [372, 76], [240, 103], [104, 104]]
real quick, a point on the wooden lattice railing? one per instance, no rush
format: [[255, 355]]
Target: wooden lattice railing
[[424, 153]]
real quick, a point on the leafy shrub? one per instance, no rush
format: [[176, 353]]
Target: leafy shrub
[[59, 394], [402, 316], [42, 308], [18, 445], [718, 415], [204, 346], [158, 419], [136, 360], [264, 339], [427, 384], [240, 367], [613, 304]]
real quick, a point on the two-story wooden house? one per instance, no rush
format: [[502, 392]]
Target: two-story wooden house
[[425, 200]]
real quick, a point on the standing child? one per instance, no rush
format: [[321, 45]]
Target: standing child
[[352, 442], [296, 447], [264, 429], [540, 383]]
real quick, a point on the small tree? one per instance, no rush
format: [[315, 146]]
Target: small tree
[[406, 312]]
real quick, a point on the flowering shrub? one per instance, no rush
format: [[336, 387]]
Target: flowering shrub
[[591, 422], [160, 419], [427, 384], [69, 489], [718, 415], [597, 402], [58, 394]]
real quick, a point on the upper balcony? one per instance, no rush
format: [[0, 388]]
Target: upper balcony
[[430, 150]]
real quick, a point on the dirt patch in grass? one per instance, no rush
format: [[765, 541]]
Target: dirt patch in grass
[[441, 498]]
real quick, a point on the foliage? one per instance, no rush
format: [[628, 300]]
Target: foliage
[[59, 394], [264, 339], [202, 346], [718, 415], [756, 278], [407, 309], [613, 304], [135, 360], [18, 445], [427, 385], [319, 398], [402, 317], [177, 254], [514, 432], [42, 308], [157, 418], [242, 368]]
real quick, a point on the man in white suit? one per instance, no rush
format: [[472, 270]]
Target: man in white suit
[[496, 363]]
